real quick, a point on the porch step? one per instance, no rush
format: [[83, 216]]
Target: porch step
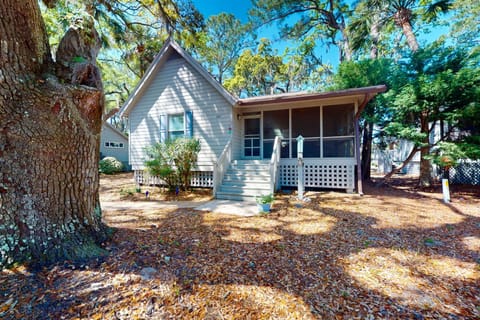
[[244, 180], [253, 176], [237, 196]]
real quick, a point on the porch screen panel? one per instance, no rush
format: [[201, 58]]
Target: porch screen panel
[[338, 131], [306, 122], [275, 123]]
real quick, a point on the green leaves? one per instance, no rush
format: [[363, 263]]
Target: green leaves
[[173, 161]]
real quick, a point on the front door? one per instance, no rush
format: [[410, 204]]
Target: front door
[[251, 138]]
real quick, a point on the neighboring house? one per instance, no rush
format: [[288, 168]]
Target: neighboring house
[[384, 160], [114, 143], [178, 97]]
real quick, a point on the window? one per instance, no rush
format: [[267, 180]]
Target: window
[[110, 144], [338, 131], [176, 127]]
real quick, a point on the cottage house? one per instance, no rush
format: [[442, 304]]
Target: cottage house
[[114, 143], [248, 146]]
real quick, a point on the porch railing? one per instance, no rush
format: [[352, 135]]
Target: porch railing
[[274, 165], [221, 166]]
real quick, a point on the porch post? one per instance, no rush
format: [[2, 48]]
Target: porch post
[[301, 173], [357, 155]]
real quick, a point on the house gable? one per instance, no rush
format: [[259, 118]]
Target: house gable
[[171, 51], [177, 91]]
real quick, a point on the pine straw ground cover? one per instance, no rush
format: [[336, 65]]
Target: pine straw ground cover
[[394, 253]]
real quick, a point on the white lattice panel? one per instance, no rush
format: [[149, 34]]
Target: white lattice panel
[[288, 175], [202, 179], [319, 174], [199, 179]]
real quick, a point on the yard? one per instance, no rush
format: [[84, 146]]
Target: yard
[[396, 252]]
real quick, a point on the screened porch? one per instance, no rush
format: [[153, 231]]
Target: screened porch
[[329, 142]]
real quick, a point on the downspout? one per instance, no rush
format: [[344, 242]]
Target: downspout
[[362, 106]]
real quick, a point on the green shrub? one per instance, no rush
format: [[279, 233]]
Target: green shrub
[[185, 157], [110, 165], [173, 161]]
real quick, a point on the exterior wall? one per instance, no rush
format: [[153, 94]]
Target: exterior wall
[[111, 135], [177, 87], [383, 160]]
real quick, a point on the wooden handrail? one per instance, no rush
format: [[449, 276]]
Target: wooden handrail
[[274, 161], [221, 166]]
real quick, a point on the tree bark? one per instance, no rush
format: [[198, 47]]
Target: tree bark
[[49, 148], [403, 19], [411, 38], [425, 179]]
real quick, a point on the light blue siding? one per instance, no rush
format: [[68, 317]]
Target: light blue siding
[[111, 135], [178, 88]]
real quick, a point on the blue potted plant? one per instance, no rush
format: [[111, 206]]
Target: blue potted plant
[[264, 203]]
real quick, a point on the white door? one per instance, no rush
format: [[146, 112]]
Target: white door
[[251, 138]]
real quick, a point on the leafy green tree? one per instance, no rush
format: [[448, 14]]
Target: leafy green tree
[[223, 41], [438, 85], [373, 19], [267, 72], [303, 70], [256, 74], [355, 74], [324, 20], [466, 22]]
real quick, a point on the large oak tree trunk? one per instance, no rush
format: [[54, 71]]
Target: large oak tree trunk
[[49, 147]]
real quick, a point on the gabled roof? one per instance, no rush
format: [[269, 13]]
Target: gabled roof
[[118, 132], [158, 62]]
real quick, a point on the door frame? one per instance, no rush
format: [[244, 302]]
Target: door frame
[[260, 134]]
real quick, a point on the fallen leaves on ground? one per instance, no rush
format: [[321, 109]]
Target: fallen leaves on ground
[[396, 252]]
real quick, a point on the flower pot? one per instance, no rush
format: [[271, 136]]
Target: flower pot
[[263, 207]]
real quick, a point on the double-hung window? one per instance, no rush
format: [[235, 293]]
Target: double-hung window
[[176, 126]]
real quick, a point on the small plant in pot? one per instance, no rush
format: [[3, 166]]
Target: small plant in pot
[[264, 203]]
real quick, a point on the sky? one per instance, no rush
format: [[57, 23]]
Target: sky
[[239, 8]]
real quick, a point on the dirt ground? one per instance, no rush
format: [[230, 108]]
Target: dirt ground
[[397, 252]]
